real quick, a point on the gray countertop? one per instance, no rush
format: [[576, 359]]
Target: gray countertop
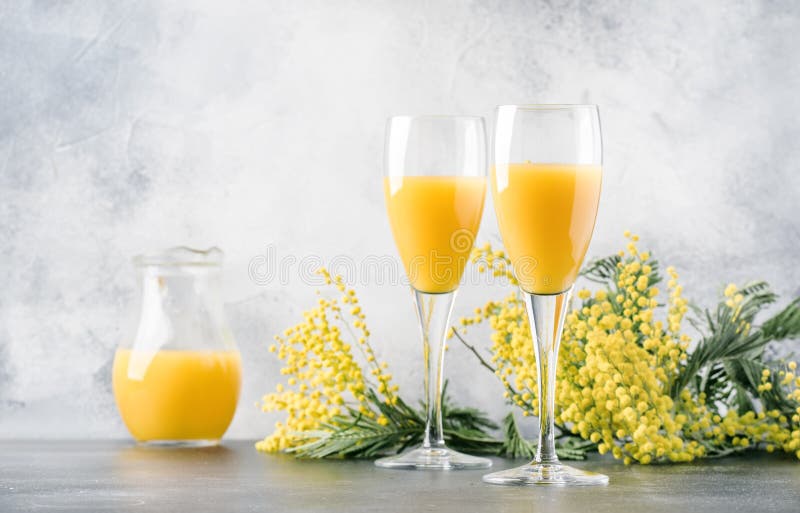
[[118, 476]]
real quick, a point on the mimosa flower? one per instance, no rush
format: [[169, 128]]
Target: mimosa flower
[[628, 383], [324, 375], [622, 362], [339, 399]]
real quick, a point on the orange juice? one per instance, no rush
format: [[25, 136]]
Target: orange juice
[[434, 220], [177, 395], [546, 214]]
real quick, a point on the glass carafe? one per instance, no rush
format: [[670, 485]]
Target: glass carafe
[[177, 374]]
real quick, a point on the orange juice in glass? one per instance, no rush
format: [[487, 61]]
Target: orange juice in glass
[[434, 220], [546, 214], [434, 186], [546, 186]]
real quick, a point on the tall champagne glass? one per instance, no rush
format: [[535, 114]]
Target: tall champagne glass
[[546, 187], [435, 184]]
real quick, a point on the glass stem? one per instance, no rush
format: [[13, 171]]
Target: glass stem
[[546, 314], [434, 312]]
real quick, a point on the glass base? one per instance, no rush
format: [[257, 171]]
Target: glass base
[[440, 458], [178, 443], [546, 474]]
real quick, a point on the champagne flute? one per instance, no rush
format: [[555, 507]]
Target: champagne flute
[[435, 184], [546, 187]]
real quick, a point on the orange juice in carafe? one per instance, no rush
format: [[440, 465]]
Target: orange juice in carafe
[[177, 395], [177, 377]]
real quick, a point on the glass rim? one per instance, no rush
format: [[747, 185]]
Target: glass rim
[[412, 117], [181, 256], [548, 106]]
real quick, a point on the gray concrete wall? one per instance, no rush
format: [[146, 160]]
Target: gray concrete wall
[[258, 127]]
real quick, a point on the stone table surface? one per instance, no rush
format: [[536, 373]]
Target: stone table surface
[[118, 476]]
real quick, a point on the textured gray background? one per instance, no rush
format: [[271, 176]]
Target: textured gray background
[[129, 126]]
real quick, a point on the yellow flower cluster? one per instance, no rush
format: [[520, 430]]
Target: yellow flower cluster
[[512, 350], [618, 363], [324, 377]]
